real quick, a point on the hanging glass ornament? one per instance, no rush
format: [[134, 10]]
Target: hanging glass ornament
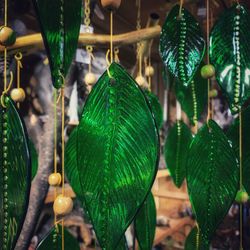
[[182, 45], [229, 53], [112, 156], [176, 151], [145, 224], [212, 178], [193, 99], [15, 173], [60, 22], [54, 240], [193, 241]]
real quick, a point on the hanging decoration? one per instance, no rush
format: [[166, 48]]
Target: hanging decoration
[[119, 139], [145, 224], [193, 99], [212, 166], [192, 240], [229, 53], [54, 239], [182, 45], [176, 151], [60, 28]]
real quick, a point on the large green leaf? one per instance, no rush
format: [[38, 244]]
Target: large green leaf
[[233, 135], [212, 178], [182, 45], [60, 22], [155, 107], [176, 151], [112, 156], [193, 99], [193, 241], [53, 241], [229, 53], [145, 224], [14, 174]]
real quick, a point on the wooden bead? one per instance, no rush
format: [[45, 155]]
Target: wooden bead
[[142, 82], [111, 5], [242, 196], [7, 36], [213, 93], [17, 95], [62, 205], [55, 179], [208, 71], [90, 79], [149, 71]]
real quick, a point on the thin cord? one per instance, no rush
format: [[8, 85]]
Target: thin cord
[[63, 140], [139, 45], [181, 6], [5, 49], [63, 245], [5, 12], [111, 37], [18, 58], [241, 178]]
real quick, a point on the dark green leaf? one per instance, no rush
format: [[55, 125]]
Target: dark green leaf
[[60, 22], [212, 178], [112, 157], [193, 99], [229, 53], [145, 224], [34, 159], [193, 241], [53, 241], [182, 45], [14, 174], [155, 107], [176, 151], [233, 135]]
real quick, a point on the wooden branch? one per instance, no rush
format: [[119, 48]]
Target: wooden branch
[[34, 42]]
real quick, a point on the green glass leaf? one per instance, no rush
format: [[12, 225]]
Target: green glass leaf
[[229, 53], [176, 151], [53, 241], [14, 174], [212, 178], [233, 135], [193, 99], [192, 243], [182, 45], [112, 156], [145, 224], [155, 107], [34, 159], [60, 22]]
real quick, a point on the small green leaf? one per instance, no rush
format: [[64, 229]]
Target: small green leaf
[[233, 135], [145, 224], [155, 107], [193, 99], [229, 53], [53, 241], [15, 174], [60, 22], [112, 156], [176, 151], [212, 178], [182, 45]]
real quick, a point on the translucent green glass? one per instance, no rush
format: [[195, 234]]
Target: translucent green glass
[[194, 243], [182, 45], [112, 156], [229, 53], [53, 241], [212, 178], [145, 224], [176, 151], [15, 174], [60, 22]]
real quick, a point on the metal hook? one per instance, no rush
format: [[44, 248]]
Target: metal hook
[[7, 90]]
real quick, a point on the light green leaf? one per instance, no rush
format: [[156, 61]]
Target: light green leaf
[[112, 156], [145, 224], [176, 151], [212, 178]]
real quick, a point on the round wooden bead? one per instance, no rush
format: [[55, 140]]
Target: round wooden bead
[[55, 179], [242, 196], [111, 5], [149, 71], [7, 36], [17, 95], [90, 78], [208, 71], [213, 93], [142, 82], [62, 205]]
